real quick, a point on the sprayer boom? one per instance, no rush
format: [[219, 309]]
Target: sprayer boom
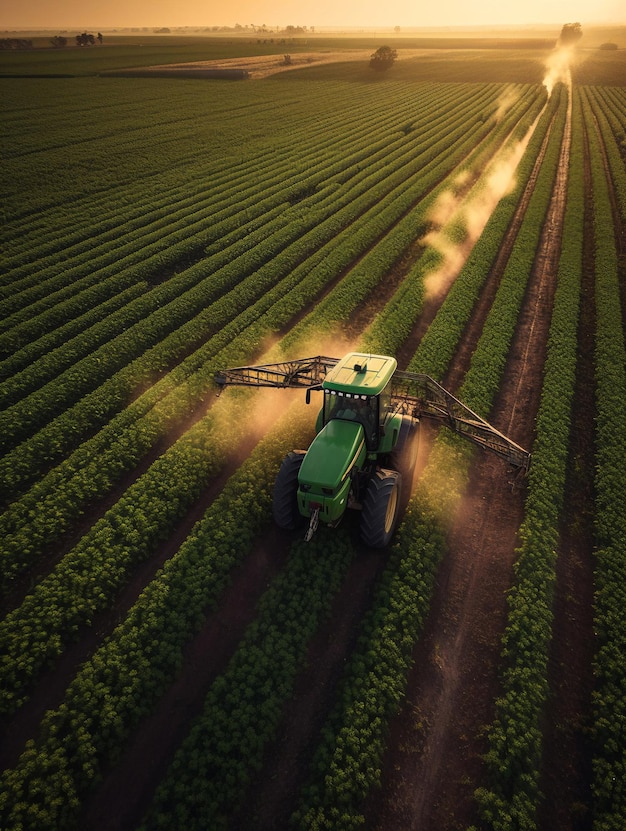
[[412, 394], [420, 396], [308, 372]]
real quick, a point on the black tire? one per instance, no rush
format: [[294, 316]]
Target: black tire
[[404, 455], [285, 503], [381, 507]]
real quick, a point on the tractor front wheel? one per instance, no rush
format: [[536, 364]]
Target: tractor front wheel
[[285, 503], [380, 508]]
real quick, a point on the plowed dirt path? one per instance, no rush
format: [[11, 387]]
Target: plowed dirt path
[[434, 762]]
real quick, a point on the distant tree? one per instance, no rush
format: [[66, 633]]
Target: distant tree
[[59, 42], [100, 38], [383, 59], [87, 39], [571, 33], [608, 47], [396, 29]]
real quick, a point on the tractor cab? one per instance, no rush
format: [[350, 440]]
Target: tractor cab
[[357, 389]]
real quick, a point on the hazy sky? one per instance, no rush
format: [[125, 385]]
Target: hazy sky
[[322, 13]]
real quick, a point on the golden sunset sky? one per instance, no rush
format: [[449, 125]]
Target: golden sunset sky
[[311, 13]]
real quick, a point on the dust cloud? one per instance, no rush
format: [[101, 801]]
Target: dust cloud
[[249, 413], [330, 345], [468, 217], [453, 218], [507, 98], [558, 68]]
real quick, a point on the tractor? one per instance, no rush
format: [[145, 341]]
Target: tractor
[[366, 438]]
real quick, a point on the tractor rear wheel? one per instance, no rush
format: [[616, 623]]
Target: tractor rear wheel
[[404, 454], [285, 503], [381, 507]]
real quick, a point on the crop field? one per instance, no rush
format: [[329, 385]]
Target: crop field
[[168, 657]]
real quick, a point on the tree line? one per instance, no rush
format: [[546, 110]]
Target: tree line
[[84, 39]]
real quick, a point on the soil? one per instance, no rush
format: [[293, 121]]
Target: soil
[[566, 769]]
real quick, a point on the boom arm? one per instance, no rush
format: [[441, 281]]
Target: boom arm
[[412, 393], [308, 372], [422, 397]]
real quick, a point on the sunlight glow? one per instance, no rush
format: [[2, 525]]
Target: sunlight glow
[[316, 14]]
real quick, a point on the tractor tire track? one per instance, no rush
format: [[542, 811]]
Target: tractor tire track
[[566, 765], [435, 764]]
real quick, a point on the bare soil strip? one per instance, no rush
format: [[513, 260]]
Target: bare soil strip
[[271, 800], [434, 765], [566, 769]]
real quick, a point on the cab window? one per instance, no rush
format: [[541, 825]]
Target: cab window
[[350, 407]]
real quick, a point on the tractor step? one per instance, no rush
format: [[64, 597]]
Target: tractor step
[[314, 522]]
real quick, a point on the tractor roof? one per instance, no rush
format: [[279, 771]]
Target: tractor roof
[[361, 374]]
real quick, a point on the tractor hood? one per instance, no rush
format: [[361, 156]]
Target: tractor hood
[[332, 454]]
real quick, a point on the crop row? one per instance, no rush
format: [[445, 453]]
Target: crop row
[[391, 328], [515, 737], [210, 753], [217, 754], [232, 212], [376, 265], [70, 733], [49, 599], [90, 575], [145, 153], [610, 131], [614, 102], [609, 702], [347, 763], [128, 673], [112, 724], [174, 205]]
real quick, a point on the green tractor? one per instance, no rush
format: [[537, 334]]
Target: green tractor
[[366, 438]]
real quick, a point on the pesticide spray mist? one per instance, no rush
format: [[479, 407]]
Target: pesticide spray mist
[[454, 217], [467, 217], [559, 62]]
